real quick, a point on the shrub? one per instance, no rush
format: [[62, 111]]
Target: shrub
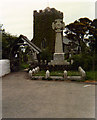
[[33, 78], [91, 75], [85, 61], [24, 66], [43, 78], [49, 78], [46, 55]]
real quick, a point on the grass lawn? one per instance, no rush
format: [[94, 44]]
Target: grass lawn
[[90, 75], [57, 73]]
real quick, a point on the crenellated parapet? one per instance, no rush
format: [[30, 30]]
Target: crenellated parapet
[[46, 11]]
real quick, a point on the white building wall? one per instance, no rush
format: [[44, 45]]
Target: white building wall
[[4, 67]]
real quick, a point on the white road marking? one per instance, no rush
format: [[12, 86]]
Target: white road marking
[[86, 85]]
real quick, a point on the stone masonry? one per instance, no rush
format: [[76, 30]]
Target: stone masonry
[[58, 57]]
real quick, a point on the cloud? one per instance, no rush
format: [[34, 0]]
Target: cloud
[[17, 15]]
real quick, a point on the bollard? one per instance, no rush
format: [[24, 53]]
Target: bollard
[[36, 71], [82, 72], [45, 61], [41, 61], [33, 71], [79, 68], [30, 74], [47, 74], [65, 74], [38, 68], [71, 61]]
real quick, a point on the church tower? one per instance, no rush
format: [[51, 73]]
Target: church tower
[[43, 34]]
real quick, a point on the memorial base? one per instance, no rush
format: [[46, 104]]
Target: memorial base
[[58, 59]]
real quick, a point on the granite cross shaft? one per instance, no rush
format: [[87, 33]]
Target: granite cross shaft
[[58, 26], [58, 57]]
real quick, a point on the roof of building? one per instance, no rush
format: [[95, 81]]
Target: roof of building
[[31, 44], [66, 40]]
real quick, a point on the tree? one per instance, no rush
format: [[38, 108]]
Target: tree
[[79, 32], [46, 55], [9, 45], [84, 32], [93, 43], [11, 49]]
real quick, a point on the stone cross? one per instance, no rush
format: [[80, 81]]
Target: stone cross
[[58, 57], [58, 26]]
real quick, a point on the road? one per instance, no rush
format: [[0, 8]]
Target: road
[[25, 98]]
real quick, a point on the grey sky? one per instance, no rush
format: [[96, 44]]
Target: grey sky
[[17, 15]]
